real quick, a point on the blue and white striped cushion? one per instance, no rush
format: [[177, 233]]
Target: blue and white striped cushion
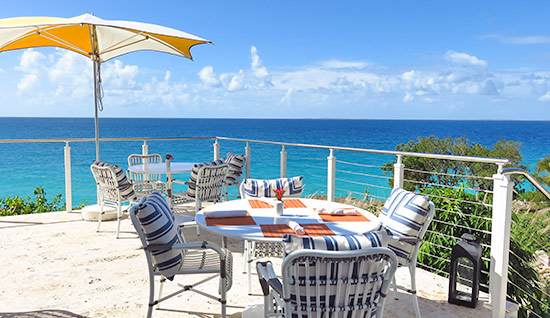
[[335, 242], [404, 214], [254, 188], [235, 164], [125, 187], [158, 225], [191, 190]]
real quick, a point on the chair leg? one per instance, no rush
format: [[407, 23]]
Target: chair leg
[[118, 215], [161, 287], [223, 297], [412, 271], [394, 285], [245, 254], [99, 216], [151, 296]]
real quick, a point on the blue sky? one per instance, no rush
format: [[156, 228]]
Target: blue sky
[[300, 59]]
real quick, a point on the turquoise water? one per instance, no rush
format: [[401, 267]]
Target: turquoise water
[[25, 166]]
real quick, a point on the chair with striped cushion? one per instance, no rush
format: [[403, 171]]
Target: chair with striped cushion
[[263, 188], [169, 256], [205, 185], [406, 217], [236, 165], [343, 282], [146, 183], [113, 188]]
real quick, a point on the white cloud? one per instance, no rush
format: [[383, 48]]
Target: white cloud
[[27, 83], [330, 88], [335, 64], [208, 77], [256, 65], [464, 59], [408, 98], [545, 97], [236, 82], [521, 40]]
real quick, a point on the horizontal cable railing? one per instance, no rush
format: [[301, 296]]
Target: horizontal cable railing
[[362, 174]]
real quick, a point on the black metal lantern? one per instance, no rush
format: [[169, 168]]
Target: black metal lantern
[[465, 272]]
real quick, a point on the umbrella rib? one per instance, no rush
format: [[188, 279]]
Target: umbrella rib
[[47, 35], [115, 47], [147, 36], [40, 32]]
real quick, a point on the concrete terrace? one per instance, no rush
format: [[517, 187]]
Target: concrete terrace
[[56, 265]]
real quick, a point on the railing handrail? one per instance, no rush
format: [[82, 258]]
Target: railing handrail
[[529, 177], [497, 161], [3, 141], [385, 152]]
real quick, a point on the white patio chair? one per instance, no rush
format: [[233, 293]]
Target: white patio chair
[[406, 217], [328, 283], [256, 188], [169, 256], [113, 189], [205, 185], [146, 183], [236, 165]]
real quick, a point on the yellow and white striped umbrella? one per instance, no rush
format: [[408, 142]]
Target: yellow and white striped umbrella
[[98, 39]]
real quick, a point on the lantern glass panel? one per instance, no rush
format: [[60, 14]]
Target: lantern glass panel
[[464, 279]]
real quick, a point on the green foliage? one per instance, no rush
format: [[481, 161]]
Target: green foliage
[[459, 212], [543, 170], [461, 209], [450, 172], [17, 205]]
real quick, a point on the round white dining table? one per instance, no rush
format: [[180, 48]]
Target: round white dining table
[[257, 219], [174, 167]]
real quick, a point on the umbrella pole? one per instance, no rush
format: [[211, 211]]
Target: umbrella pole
[[96, 111]]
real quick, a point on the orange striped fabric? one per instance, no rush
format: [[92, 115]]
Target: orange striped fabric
[[258, 204], [344, 218], [293, 203], [279, 230], [241, 220]]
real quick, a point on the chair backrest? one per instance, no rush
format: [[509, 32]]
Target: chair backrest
[[236, 165], [112, 183], [138, 159], [345, 283], [155, 225], [209, 183], [406, 214], [254, 188]]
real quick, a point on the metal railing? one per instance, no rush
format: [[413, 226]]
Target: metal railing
[[330, 170]]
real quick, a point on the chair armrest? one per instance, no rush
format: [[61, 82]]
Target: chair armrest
[[405, 239], [183, 182], [268, 278]]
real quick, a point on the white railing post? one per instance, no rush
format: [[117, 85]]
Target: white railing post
[[398, 172], [248, 160], [331, 176], [500, 243], [283, 162], [68, 184], [216, 150], [145, 148]]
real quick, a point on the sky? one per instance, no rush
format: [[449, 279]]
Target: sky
[[299, 59]]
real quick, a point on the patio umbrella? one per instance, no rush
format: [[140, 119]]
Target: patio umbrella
[[100, 40]]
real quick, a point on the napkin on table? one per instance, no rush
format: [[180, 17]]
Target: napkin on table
[[297, 228], [225, 214], [339, 211]]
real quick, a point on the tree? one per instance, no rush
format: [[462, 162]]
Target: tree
[[426, 171], [543, 170]]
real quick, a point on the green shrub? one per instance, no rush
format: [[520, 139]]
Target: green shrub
[[17, 205]]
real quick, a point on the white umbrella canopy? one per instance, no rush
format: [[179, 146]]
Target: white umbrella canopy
[[98, 39]]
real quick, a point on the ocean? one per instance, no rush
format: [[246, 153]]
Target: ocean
[[27, 165]]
